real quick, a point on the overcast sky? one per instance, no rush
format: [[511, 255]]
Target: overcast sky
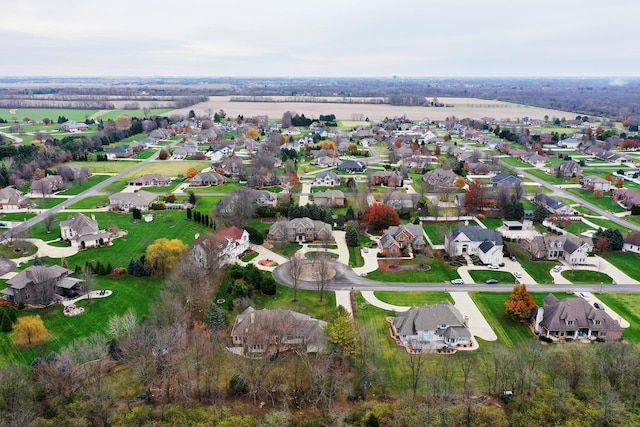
[[287, 38]]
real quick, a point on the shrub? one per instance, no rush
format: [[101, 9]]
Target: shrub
[[268, 285], [255, 236], [215, 317], [158, 206], [118, 272], [169, 198]]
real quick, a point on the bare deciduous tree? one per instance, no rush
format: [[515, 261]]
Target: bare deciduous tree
[[295, 270], [322, 268], [48, 222]]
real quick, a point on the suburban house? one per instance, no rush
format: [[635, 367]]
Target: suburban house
[[188, 149], [613, 157], [572, 143], [327, 179], [400, 239], [325, 161], [473, 239], [41, 285], [387, 178], [431, 327], [632, 243], [595, 183], [440, 178], [535, 159], [48, 184], [399, 200], [480, 168], [505, 180], [553, 205], [271, 331], [150, 180], [574, 318], [300, 230], [224, 150], [232, 166], [352, 166], [83, 232], [127, 201], [266, 199], [205, 179], [627, 196], [10, 198], [227, 245], [74, 172], [73, 126], [574, 250], [330, 199], [568, 168], [120, 152]]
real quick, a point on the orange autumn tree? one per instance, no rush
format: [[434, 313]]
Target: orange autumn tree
[[520, 304], [191, 172], [380, 216]]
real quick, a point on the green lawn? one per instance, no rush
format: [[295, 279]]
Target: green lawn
[[77, 188], [550, 178], [604, 202], [133, 113], [355, 256], [627, 306], [48, 202], [205, 204], [410, 298], [437, 230], [625, 261], [286, 249], [41, 113], [17, 250], [16, 216], [538, 270], [492, 223], [481, 276], [586, 277], [440, 272], [145, 154], [515, 162], [509, 332], [103, 167], [127, 292], [248, 257], [91, 202], [258, 224]]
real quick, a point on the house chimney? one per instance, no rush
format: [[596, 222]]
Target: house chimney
[[466, 321], [93, 217], [253, 317]]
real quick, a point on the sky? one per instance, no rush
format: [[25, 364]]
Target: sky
[[328, 38]]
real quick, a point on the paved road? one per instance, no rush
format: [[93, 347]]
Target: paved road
[[93, 191], [563, 193], [347, 279]]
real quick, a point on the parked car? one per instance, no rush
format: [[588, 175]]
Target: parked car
[[494, 266], [598, 306], [518, 274], [513, 258], [491, 282], [365, 250], [457, 282], [557, 268], [585, 296]]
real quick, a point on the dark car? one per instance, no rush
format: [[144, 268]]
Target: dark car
[[598, 306], [491, 282]]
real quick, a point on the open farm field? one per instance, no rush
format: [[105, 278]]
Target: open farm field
[[41, 113], [462, 107], [113, 167], [113, 114]]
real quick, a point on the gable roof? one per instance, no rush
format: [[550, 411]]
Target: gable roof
[[36, 272], [81, 224], [429, 318], [557, 313], [478, 234], [138, 198]]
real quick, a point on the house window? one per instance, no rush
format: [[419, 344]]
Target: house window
[[569, 322], [598, 322], [443, 326]]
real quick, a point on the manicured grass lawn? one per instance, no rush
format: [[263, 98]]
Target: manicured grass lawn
[[625, 261], [224, 188], [509, 332], [205, 204], [132, 113], [77, 188], [437, 230], [440, 272], [539, 270], [145, 154], [16, 216], [492, 223], [355, 256], [127, 292], [48, 202], [550, 178], [17, 250], [577, 227], [258, 224], [627, 306], [103, 167], [286, 249], [409, 298], [91, 202], [586, 277], [515, 162], [481, 276], [171, 169], [248, 257], [604, 202], [604, 223]]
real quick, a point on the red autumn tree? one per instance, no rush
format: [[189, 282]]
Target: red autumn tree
[[475, 196], [619, 183], [379, 216], [520, 304], [602, 245]]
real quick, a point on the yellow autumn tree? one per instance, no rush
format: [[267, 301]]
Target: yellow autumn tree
[[460, 182], [191, 172], [252, 133], [162, 255], [123, 122], [29, 330], [327, 144]]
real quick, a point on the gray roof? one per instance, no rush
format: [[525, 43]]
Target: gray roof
[[138, 198], [329, 194], [81, 224], [584, 315], [478, 234], [29, 275], [486, 246], [428, 318], [323, 175], [505, 179], [253, 323]]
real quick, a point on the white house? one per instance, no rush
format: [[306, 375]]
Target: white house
[[127, 201], [467, 239], [327, 179], [632, 243], [574, 250], [432, 327], [227, 245], [82, 231]]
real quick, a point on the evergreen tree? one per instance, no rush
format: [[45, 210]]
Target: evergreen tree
[[189, 213], [340, 220], [328, 218], [131, 267], [192, 198], [351, 236], [540, 214], [215, 317]]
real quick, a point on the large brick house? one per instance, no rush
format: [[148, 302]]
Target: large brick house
[[300, 230], [41, 285], [401, 239], [468, 239]]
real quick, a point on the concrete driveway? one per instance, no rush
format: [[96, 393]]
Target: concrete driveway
[[509, 267], [596, 263], [615, 316], [304, 194]]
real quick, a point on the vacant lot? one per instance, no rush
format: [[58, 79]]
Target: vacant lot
[[627, 306], [41, 113], [586, 277]]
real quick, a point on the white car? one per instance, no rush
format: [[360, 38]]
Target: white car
[[518, 274], [365, 250], [494, 266], [584, 296], [557, 268], [457, 282]]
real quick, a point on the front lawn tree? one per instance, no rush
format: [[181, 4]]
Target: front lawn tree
[[351, 235], [29, 330], [296, 266], [520, 304], [162, 255], [379, 216], [48, 221]]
